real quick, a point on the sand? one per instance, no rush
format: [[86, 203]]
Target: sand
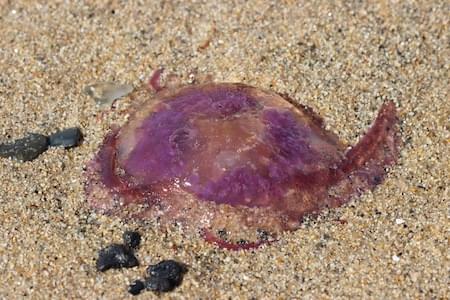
[[343, 59]]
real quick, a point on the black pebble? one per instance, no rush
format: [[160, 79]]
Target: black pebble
[[131, 239], [262, 234], [25, 149], [136, 287], [116, 256], [66, 138], [164, 276]]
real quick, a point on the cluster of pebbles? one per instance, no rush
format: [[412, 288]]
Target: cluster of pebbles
[[34, 144], [161, 277]]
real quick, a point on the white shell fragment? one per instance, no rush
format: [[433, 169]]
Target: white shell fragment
[[105, 93], [399, 221]]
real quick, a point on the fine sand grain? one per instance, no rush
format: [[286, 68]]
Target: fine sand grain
[[343, 59]]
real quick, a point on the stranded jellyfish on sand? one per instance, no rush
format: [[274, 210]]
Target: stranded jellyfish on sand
[[236, 163]]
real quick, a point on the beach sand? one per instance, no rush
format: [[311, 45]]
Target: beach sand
[[343, 60]]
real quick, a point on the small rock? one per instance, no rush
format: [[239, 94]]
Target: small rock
[[164, 276], [66, 138], [136, 287], [105, 93], [399, 221], [262, 234], [116, 256], [131, 239], [25, 149]]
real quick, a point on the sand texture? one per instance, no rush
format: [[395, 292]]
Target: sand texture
[[342, 59]]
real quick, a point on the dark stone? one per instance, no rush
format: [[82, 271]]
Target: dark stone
[[222, 234], [262, 234], [67, 138], [25, 149], [136, 287], [164, 276], [116, 256], [131, 239]]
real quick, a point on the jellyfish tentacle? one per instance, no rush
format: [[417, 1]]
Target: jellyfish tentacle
[[154, 83], [380, 143], [364, 164]]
